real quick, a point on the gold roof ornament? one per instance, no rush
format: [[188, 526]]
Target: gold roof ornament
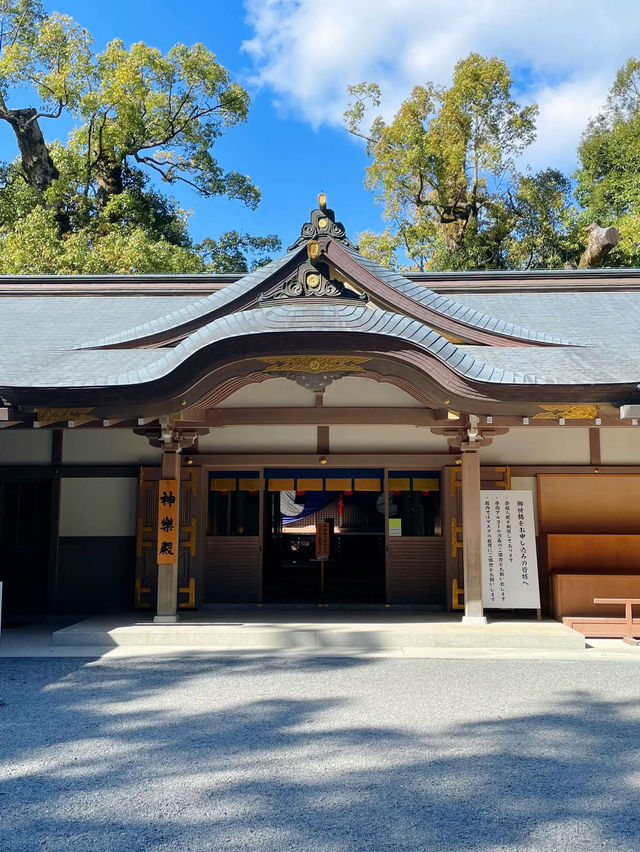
[[322, 222], [568, 412], [314, 372], [314, 363], [58, 415]]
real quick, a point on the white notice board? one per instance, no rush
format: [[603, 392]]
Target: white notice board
[[509, 560]]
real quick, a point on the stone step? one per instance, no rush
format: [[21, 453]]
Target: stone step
[[311, 636]]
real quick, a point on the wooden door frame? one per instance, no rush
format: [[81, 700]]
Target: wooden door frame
[[383, 461]]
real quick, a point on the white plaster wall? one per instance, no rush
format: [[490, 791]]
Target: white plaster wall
[[355, 391], [25, 447], [528, 483], [274, 393], [253, 439], [98, 507], [391, 439], [620, 446], [107, 446], [529, 445]]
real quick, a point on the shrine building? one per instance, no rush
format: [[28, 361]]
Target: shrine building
[[331, 425]]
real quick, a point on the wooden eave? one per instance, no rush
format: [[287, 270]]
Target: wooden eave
[[188, 383]]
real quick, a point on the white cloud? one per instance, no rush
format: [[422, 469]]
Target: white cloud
[[563, 54], [565, 110]]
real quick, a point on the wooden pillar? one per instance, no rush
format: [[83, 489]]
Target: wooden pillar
[[167, 609], [471, 538]]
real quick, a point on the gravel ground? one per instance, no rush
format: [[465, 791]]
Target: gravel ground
[[318, 754]]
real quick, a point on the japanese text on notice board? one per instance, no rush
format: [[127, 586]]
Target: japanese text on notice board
[[509, 561]]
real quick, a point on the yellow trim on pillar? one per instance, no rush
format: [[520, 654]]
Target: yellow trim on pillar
[[192, 482], [190, 543], [456, 593], [506, 482], [141, 529], [456, 544], [139, 591], [190, 592]]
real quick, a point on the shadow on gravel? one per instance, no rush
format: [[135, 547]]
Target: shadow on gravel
[[136, 754]]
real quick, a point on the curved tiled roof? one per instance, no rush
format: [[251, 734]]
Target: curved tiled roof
[[136, 366], [465, 314], [417, 293], [200, 308]]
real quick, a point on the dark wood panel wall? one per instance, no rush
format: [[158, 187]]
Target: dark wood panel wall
[[94, 574], [415, 571], [233, 569]]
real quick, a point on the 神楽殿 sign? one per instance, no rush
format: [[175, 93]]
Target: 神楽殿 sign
[[167, 522], [509, 560]]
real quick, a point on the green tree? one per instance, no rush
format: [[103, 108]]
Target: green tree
[[608, 176], [235, 252], [544, 223], [138, 113], [444, 170]]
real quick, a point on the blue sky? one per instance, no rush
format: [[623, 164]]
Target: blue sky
[[296, 57]]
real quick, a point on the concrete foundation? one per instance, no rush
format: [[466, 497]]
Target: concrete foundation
[[316, 630]]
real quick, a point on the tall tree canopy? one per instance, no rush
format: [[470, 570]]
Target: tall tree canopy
[[444, 171], [89, 205], [608, 177]]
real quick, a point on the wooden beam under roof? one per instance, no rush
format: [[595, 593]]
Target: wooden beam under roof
[[203, 284], [327, 416]]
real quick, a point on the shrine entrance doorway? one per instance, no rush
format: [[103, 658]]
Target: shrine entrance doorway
[[350, 566], [383, 545]]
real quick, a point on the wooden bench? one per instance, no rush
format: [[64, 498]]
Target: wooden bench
[[625, 628]]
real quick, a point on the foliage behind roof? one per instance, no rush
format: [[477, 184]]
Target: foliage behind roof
[[53, 342]]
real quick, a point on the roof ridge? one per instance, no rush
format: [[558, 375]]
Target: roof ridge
[[191, 312], [447, 307], [324, 318]]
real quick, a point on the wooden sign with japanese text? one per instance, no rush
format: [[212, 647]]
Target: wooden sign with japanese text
[[167, 521], [323, 540], [509, 559]]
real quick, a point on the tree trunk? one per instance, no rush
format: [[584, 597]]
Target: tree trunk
[[601, 241], [109, 180], [38, 166], [454, 219], [453, 234]]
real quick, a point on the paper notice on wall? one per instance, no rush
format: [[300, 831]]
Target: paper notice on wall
[[395, 526], [323, 540], [509, 560]]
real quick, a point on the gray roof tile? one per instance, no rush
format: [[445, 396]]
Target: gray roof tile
[[134, 366]]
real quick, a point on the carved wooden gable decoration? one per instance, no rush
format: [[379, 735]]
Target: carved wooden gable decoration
[[312, 279]]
